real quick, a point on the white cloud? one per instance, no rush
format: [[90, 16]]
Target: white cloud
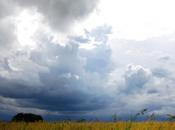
[[136, 19], [93, 67], [136, 76]]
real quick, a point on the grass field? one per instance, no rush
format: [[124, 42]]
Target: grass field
[[88, 126]]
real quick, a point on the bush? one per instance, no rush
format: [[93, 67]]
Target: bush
[[27, 117]]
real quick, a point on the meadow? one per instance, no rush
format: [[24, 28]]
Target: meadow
[[150, 125]]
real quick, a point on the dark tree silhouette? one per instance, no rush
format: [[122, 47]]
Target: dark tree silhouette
[[27, 117], [171, 117]]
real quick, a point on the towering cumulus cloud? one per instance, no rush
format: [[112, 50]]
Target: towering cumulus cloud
[[49, 78], [76, 58]]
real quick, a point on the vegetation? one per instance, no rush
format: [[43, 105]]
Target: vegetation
[[87, 126], [27, 117], [171, 117], [82, 124]]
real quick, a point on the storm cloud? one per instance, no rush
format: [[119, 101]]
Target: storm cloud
[[47, 68], [55, 78], [60, 13]]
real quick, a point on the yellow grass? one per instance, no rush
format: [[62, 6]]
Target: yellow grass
[[88, 126]]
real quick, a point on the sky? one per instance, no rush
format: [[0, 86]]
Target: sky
[[89, 58]]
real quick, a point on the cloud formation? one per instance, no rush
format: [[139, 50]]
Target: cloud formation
[[136, 76], [86, 73], [60, 78], [60, 13]]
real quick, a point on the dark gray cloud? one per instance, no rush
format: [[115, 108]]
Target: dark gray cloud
[[72, 78], [52, 77], [60, 79], [61, 13]]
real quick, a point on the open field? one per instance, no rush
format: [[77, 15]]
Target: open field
[[88, 126]]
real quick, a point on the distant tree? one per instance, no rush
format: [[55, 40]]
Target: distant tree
[[152, 117], [171, 117], [68, 120], [81, 120], [27, 117], [114, 117]]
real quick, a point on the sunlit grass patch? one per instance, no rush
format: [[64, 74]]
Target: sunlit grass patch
[[88, 126]]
